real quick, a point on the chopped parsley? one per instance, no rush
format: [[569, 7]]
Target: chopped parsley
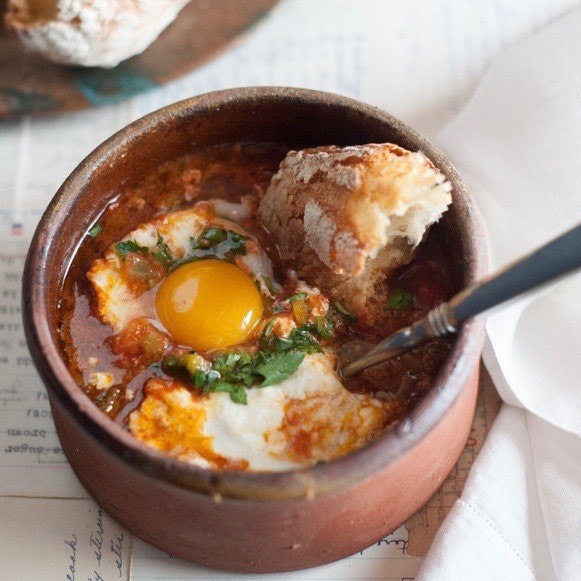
[[126, 246], [163, 253], [213, 242], [268, 330], [237, 393], [214, 235], [303, 339], [297, 297], [400, 299], [270, 285], [279, 366], [216, 242], [205, 379], [233, 371], [95, 230], [341, 309], [323, 327]]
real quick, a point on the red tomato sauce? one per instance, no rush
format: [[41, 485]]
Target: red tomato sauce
[[230, 172]]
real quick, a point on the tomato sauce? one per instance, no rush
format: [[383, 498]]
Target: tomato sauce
[[231, 172]]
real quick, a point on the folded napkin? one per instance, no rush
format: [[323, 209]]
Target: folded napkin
[[518, 145]]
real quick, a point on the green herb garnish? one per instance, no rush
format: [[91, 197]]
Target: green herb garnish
[[237, 393], [281, 344], [234, 371], [270, 285], [278, 367], [231, 363], [303, 340], [400, 299], [123, 248], [95, 230], [268, 329], [297, 297], [267, 332], [219, 243], [323, 327], [214, 235], [206, 379], [341, 309], [163, 253]]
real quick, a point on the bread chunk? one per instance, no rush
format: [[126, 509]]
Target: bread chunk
[[90, 34], [347, 217]]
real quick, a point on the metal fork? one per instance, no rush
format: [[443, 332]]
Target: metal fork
[[554, 260]]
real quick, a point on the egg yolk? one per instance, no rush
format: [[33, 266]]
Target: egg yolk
[[209, 304]]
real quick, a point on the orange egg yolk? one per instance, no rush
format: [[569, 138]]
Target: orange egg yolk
[[209, 304]]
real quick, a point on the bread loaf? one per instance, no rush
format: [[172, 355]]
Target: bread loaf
[[90, 33], [347, 217]]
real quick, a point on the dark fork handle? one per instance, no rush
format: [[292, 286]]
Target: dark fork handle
[[553, 260], [548, 263]]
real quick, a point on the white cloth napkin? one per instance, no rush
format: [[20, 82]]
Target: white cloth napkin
[[518, 145]]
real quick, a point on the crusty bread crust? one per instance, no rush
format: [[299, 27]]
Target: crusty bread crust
[[349, 216], [80, 32]]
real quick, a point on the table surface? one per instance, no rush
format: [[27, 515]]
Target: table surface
[[420, 60], [29, 84]]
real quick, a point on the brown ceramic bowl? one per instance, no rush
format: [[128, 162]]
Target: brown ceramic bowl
[[261, 522]]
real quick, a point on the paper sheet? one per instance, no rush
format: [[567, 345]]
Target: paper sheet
[[418, 60], [61, 539], [32, 462], [149, 563]]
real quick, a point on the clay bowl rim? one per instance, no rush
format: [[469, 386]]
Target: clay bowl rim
[[322, 478]]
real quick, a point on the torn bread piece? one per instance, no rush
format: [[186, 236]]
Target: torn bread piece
[[349, 216], [100, 33]]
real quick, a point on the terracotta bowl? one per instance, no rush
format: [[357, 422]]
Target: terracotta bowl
[[233, 520]]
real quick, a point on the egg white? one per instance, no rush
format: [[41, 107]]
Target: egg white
[[118, 305], [256, 434], [262, 435]]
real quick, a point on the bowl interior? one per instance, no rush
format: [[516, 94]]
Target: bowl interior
[[297, 118]]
